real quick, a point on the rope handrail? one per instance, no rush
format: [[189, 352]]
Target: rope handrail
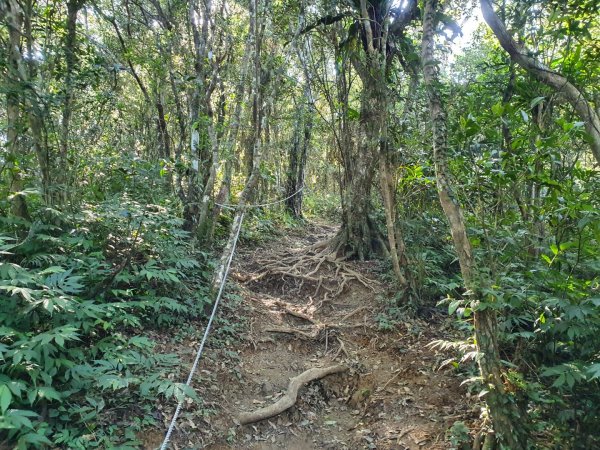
[[242, 209], [165, 443], [260, 205]]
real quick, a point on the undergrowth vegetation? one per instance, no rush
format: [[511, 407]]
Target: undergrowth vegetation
[[80, 296], [547, 296], [540, 274]]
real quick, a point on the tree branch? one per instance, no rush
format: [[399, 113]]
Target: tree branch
[[551, 78]]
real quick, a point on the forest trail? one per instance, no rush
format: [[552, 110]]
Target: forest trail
[[299, 316]]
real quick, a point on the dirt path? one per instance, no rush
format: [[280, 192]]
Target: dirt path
[[296, 318]]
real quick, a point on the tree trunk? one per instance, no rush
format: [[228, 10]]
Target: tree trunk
[[231, 137], [359, 236], [252, 182], [164, 139], [19, 24], [63, 167], [15, 152], [297, 157], [362, 235], [203, 141], [549, 77], [389, 206], [506, 417]]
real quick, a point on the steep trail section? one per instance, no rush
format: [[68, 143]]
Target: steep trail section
[[303, 309]]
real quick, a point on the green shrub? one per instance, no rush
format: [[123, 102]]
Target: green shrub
[[76, 307]]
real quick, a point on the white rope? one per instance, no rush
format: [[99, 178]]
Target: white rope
[[165, 443], [274, 202]]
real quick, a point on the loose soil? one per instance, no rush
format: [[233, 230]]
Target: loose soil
[[292, 317]]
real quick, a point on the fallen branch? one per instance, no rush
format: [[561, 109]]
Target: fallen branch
[[398, 372], [289, 398]]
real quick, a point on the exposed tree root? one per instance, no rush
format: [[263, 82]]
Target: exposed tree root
[[289, 398], [342, 349], [308, 335], [315, 266], [299, 314], [353, 313], [318, 328]]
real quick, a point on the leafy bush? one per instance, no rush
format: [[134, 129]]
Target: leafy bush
[[76, 304]]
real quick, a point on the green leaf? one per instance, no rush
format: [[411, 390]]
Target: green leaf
[[536, 101], [453, 306], [560, 381], [24, 193], [35, 439], [5, 398], [593, 371], [352, 114], [24, 292], [49, 393], [498, 109], [20, 418]]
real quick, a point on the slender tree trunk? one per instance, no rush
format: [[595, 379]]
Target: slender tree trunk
[[389, 206], [233, 129], [19, 24], [303, 129], [252, 182], [63, 167], [298, 156], [506, 417], [292, 170], [212, 177], [202, 147], [164, 139], [15, 152]]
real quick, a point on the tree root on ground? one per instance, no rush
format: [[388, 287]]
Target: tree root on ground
[[289, 398], [292, 312], [302, 334], [318, 328], [353, 313], [304, 267], [342, 349]]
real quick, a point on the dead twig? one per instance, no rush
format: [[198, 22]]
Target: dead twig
[[398, 372]]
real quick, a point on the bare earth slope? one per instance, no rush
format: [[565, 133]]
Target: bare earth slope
[[303, 309]]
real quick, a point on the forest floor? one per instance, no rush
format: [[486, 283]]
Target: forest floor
[[294, 316]]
